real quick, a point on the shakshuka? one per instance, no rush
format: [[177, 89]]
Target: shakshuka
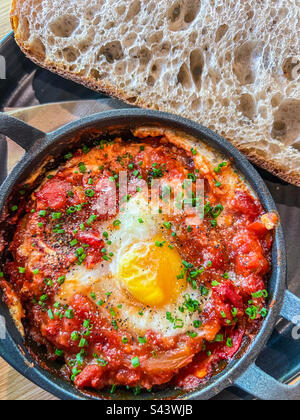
[[133, 296]]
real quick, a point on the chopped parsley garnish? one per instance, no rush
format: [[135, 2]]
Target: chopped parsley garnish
[[192, 334], [86, 323], [114, 324], [68, 156], [178, 323], [69, 314], [192, 177], [220, 166], [75, 336], [61, 280], [261, 293], [82, 167], [234, 312], [215, 283], [91, 219], [56, 216], [90, 193], [135, 361], [83, 343], [160, 244], [190, 304], [263, 312], [157, 171], [229, 342], [59, 353], [142, 340], [219, 338], [204, 291], [50, 314]]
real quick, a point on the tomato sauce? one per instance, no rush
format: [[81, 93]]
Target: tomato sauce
[[57, 229]]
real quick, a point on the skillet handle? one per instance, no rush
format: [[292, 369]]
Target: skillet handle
[[23, 134], [258, 383]]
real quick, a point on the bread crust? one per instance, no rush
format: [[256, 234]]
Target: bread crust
[[110, 89]]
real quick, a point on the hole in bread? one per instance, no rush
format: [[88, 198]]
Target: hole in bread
[[70, 54], [151, 81], [51, 41], [276, 100], [247, 106], [134, 9], [110, 25], [162, 49], [121, 9], [182, 14], [155, 38], [184, 77], [291, 68], [94, 73], [196, 104], [145, 56], [155, 72], [215, 75], [64, 26], [221, 31], [297, 145], [112, 51], [196, 66], [38, 49], [120, 68], [263, 111], [175, 12], [90, 13], [129, 40], [24, 29], [250, 14], [132, 100], [97, 20], [286, 126], [84, 46], [245, 60]]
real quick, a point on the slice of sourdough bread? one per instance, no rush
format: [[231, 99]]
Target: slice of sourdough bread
[[232, 65]]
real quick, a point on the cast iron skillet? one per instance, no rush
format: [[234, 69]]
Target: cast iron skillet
[[242, 372]]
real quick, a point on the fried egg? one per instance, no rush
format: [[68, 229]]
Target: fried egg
[[143, 285]]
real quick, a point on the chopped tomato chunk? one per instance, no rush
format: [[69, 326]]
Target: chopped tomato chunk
[[53, 194]]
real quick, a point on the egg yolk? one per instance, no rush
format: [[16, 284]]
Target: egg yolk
[[152, 272]]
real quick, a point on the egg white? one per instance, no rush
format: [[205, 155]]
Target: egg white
[[103, 278]]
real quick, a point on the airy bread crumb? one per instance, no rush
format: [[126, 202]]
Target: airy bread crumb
[[233, 66]]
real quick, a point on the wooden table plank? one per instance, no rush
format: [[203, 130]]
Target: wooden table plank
[[14, 387], [4, 17]]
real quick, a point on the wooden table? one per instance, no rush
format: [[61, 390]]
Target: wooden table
[[12, 385], [4, 17]]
